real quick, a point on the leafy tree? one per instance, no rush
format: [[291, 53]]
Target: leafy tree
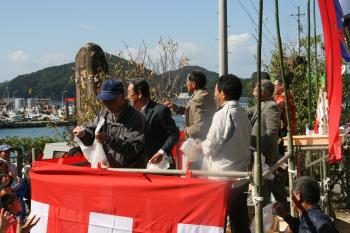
[[162, 72], [297, 66]]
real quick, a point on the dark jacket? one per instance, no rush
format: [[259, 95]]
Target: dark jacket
[[270, 125], [126, 140], [161, 130], [311, 221]]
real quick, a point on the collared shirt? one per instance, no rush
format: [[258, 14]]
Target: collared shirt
[[143, 109], [193, 94], [313, 220]]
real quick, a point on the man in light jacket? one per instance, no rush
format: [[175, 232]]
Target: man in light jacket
[[199, 110], [227, 146]]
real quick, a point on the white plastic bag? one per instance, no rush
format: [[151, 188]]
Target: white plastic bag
[[190, 150], [95, 153], [267, 219], [163, 165]]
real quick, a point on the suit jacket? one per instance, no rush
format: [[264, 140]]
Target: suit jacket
[[161, 130], [198, 113], [270, 124]]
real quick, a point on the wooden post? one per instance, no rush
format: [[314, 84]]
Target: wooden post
[[308, 67], [257, 160], [315, 44], [326, 191], [286, 93], [34, 155]]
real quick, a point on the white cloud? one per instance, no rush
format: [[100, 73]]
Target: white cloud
[[241, 57], [19, 62], [184, 49], [241, 48], [87, 28], [17, 56], [188, 49]]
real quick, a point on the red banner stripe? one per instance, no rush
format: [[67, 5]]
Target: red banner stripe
[[334, 78]]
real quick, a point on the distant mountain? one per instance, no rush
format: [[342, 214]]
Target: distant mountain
[[51, 81], [45, 83], [48, 82]]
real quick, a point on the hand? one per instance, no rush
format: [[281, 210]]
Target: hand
[[101, 137], [186, 133], [156, 158], [279, 209], [28, 225], [297, 204], [79, 132], [5, 220], [169, 104]]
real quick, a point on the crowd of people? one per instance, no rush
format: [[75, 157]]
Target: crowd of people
[[13, 192], [137, 131]]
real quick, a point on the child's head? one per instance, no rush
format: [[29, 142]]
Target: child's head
[[10, 202], [5, 178]]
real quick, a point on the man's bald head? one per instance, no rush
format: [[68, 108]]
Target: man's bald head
[[267, 90], [267, 87]]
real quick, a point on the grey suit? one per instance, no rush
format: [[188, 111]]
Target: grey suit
[[270, 124]]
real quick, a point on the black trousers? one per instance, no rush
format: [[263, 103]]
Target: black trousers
[[277, 188], [238, 210]]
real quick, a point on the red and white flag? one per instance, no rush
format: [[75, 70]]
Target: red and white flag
[[85, 200]]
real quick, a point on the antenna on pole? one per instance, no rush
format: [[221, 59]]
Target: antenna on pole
[[300, 27]]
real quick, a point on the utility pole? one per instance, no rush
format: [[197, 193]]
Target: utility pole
[[309, 64], [258, 188], [287, 96], [315, 44], [223, 37], [300, 27]]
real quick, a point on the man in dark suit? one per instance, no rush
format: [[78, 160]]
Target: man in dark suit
[[161, 131], [270, 124]]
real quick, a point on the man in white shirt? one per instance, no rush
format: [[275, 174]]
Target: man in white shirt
[[227, 146]]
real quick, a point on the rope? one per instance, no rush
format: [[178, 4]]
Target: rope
[[256, 199]]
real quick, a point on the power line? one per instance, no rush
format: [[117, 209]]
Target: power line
[[266, 26], [254, 23], [291, 5]]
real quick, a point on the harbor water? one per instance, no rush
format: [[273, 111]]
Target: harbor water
[[50, 132]]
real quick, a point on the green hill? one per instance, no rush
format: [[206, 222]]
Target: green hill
[[51, 81], [48, 82]]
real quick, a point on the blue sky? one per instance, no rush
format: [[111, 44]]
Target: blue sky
[[42, 33]]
